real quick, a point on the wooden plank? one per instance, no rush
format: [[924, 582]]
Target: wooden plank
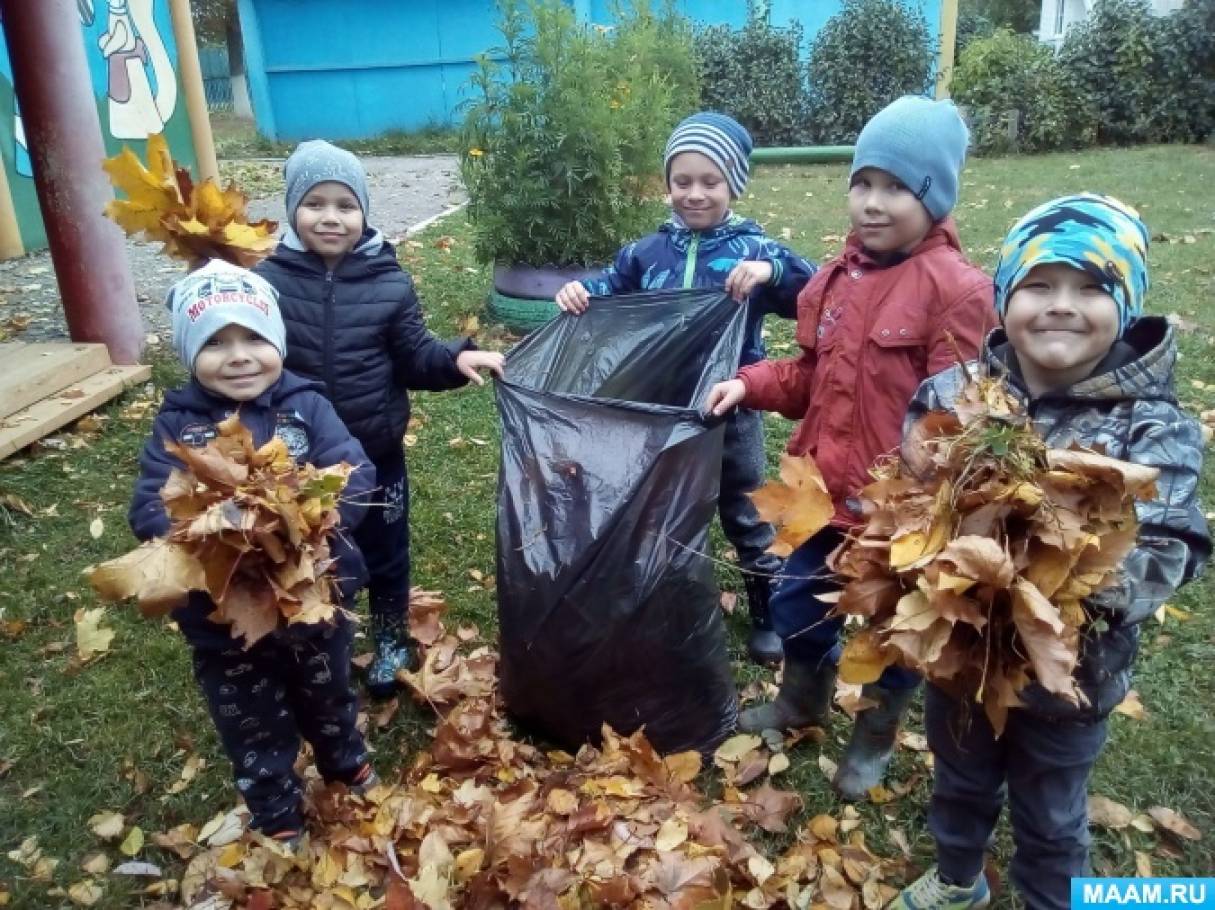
[[37, 371], [43, 418]]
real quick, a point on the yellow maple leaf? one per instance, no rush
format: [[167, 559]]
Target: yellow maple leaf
[[798, 506]]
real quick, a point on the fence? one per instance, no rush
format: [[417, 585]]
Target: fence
[[216, 80]]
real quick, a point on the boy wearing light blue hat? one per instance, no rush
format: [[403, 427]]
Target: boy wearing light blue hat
[[1092, 372], [705, 245], [877, 320]]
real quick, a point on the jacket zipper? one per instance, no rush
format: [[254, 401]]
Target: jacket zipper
[[327, 342], [689, 268]]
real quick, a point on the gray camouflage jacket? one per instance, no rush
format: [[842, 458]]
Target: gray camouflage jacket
[[1128, 407]]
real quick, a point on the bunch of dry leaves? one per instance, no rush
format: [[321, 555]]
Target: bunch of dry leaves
[[975, 569], [195, 222], [483, 819], [249, 526]]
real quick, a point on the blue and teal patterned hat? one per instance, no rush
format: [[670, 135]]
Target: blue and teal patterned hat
[[1097, 234]]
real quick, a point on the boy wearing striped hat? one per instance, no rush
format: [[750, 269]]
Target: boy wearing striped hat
[[1092, 372], [705, 245]]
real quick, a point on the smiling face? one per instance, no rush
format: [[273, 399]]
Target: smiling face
[[885, 214], [238, 363], [699, 192], [329, 221], [1061, 322]]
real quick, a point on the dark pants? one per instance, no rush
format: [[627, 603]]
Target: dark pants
[[801, 619], [1041, 766], [743, 466], [292, 683], [383, 537]]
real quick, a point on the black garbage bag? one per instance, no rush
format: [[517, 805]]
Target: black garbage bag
[[607, 611]]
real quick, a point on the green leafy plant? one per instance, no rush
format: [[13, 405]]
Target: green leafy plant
[[1150, 78], [755, 75], [1010, 77], [868, 54], [971, 27], [561, 147]]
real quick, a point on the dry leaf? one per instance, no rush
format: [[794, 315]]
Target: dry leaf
[[92, 638], [96, 528], [107, 825], [799, 506], [1106, 813], [1174, 822]]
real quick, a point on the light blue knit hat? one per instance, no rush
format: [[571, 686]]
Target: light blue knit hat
[[721, 139], [922, 143], [1099, 235], [317, 161]]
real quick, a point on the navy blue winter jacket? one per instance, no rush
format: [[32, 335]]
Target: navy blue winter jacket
[[358, 330], [675, 256], [292, 409]]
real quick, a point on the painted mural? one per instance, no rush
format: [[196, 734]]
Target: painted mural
[[132, 60]]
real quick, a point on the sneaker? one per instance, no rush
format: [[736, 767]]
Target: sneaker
[[930, 892], [391, 655], [365, 781]]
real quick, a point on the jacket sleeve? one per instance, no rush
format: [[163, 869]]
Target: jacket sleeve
[[147, 515], [967, 317], [790, 272], [784, 385], [332, 444], [621, 277], [1174, 541], [421, 361]]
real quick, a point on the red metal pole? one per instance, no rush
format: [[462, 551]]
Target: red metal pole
[[55, 94]]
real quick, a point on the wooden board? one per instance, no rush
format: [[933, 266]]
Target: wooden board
[[43, 418], [32, 372]]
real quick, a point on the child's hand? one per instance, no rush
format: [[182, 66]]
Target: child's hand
[[745, 277], [725, 397], [573, 298], [468, 362]]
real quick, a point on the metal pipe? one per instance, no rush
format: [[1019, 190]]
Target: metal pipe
[[804, 154], [52, 85], [190, 71]]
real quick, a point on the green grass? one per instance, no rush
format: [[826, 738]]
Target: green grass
[[75, 738], [236, 137]]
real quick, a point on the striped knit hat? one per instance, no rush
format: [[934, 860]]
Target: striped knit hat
[[721, 139], [1097, 234]]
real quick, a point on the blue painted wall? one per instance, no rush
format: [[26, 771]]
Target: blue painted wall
[[360, 68]]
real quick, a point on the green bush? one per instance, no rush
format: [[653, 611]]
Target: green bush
[[755, 75], [1151, 79], [868, 54], [561, 146], [1013, 76], [971, 27]]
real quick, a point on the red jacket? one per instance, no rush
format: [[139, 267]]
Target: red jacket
[[869, 336]]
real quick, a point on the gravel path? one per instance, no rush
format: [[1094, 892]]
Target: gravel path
[[405, 191]]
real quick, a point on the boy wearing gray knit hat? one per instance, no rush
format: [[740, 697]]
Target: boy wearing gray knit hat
[[897, 305]]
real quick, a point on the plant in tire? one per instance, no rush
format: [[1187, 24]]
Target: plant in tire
[[561, 146]]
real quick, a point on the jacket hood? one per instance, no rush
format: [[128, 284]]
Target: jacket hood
[[195, 398], [943, 233], [370, 255], [1139, 366], [733, 226]]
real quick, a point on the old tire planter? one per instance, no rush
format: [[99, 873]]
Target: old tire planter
[[522, 295], [520, 314]]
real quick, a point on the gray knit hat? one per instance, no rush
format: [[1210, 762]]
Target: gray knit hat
[[923, 143], [317, 161], [217, 295]]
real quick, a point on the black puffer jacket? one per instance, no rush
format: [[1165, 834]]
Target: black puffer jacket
[[359, 331], [1128, 408]]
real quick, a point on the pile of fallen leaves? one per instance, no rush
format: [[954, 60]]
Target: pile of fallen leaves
[[196, 222], [975, 569], [249, 526], [482, 819]]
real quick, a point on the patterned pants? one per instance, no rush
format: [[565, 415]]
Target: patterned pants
[[383, 537], [292, 683]]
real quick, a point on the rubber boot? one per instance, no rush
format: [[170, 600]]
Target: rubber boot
[[804, 700], [764, 645], [393, 651], [872, 744]]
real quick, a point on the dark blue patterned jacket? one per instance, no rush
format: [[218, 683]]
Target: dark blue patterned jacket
[[1128, 408], [675, 256]]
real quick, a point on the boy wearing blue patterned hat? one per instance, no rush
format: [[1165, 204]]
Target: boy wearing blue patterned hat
[[704, 244], [1091, 371]]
